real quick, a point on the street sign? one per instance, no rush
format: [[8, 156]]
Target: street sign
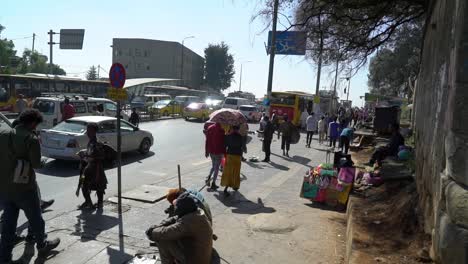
[[288, 42], [71, 38], [117, 94], [117, 75]]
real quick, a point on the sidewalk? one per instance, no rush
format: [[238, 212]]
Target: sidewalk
[[265, 222]]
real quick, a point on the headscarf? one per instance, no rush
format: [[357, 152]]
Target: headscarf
[[172, 194], [185, 204]]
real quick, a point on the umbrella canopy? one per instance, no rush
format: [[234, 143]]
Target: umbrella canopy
[[228, 117]]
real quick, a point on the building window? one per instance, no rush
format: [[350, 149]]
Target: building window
[[147, 67], [146, 53], [137, 53]]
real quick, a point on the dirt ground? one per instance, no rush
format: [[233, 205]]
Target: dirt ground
[[386, 222]]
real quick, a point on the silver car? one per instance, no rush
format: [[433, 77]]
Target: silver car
[[67, 138]]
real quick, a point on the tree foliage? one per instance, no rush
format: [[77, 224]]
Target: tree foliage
[[33, 61], [391, 69], [92, 73], [8, 59], [351, 30], [219, 66]]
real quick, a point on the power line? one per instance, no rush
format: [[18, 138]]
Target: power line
[[20, 38]]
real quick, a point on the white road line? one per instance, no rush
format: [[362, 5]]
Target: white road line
[[155, 173], [201, 162]]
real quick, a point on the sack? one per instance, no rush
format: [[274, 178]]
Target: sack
[[22, 172], [346, 174]]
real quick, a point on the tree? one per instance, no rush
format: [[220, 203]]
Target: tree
[[391, 69], [37, 63], [351, 30], [8, 59], [92, 73], [219, 66]]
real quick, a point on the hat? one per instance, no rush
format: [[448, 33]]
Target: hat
[[172, 194], [185, 204]]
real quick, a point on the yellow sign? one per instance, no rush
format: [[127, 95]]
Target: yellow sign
[[117, 94], [316, 99]]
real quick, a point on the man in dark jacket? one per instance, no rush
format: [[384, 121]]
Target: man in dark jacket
[[18, 190], [268, 131], [286, 129], [186, 237], [391, 149]]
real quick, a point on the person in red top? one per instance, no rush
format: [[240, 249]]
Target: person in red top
[[68, 110], [214, 148]]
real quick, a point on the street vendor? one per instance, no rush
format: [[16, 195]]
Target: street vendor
[[391, 149]]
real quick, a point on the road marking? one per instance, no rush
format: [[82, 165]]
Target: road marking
[[155, 173], [201, 162]]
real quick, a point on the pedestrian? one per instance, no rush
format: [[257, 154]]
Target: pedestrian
[[21, 104], [275, 122], [94, 176], [231, 172], [333, 132], [68, 110], [322, 129], [243, 131], [311, 126], [134, 117], [200, 200], [262, 121], [346, 137], [214, 148], [286, 132], [19, 187], [391, 149], [268, 132], [186, 237]]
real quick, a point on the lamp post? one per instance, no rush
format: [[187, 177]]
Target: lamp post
[[240, 77], [182, 59]]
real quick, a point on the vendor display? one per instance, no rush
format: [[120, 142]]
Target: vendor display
[[327, 184]]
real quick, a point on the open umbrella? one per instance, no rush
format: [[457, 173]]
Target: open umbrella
[[228, 117]]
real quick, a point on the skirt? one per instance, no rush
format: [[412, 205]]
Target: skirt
[[231, 172]]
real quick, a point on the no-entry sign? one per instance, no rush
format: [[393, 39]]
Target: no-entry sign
[[117, 75]]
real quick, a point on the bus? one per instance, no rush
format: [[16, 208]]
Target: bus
[[33, 85], [291, 104]]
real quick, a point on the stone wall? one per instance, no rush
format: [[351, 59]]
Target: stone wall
[[441, 130]]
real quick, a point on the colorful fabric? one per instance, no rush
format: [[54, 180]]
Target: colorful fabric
[[347, 174], [334, 130], [68, 112], [228, 117], [231, 172]]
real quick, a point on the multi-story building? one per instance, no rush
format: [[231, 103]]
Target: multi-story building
[[147, 58]]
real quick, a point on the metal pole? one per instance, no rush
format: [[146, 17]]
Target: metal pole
[[334, 88], [51, 44], [98, 69], [272, 51], [349, 86], [178, 175], [240, 79], [119, 161], [34, 39]]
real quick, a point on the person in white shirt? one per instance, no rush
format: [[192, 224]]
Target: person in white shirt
[[311, 126], [322, 129]]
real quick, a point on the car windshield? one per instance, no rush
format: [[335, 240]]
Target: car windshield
[[194, 106], [162, 103], [231, 101], [71, 126], [45, 107], [248, 108]]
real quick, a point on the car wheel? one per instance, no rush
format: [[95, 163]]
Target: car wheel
[[145, 146]]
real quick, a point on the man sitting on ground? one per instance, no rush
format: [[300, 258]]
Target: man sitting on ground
[[391, 149], [186, 237]]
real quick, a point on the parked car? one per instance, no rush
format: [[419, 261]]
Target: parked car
[[235, 102], [4, 121], [150, 99], [165, 108], [197, 110], [185, 100], [250, 112], [52, 107], [64, 140]]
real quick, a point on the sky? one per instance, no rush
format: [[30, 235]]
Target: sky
[[209, 21]]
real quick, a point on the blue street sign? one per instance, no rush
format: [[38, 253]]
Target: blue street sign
[[289, 42], [117, 75]]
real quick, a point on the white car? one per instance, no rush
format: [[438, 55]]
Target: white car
[[67, 138], [250, 112]]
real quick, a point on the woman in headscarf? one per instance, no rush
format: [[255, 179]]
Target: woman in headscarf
[[231, 173]]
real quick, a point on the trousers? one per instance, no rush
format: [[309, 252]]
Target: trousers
[[310, 134], [267, 149], [285, 143], [215, 163]]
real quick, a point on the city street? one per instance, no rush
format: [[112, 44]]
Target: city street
[[266, 212]]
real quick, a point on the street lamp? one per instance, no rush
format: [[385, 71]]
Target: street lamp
[[182, 58], [240, 77], [349, 86]]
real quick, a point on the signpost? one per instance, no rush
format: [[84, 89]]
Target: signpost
[[117, 80], [288, 42]]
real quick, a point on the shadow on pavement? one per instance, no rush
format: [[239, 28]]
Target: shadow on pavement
[[90, 223], [278, 166], [29, 253], [241, 205], [298, 159], [325, 207]]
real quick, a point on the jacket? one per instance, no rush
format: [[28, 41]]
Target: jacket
[[18, 143], [286, 129], [334, 130], [234, 144], [194, 233], [268, 131], [215, 140]]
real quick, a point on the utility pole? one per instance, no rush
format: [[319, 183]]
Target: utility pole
[[272, 52], [98, 69], [240, 79], [319, 66], [182, 60], [334, 88], [51, 44], [34, 39], [349, 87]]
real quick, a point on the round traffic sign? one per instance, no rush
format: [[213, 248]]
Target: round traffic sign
[[117, 75]]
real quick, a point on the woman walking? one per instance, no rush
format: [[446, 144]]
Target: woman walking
[[231, 173]]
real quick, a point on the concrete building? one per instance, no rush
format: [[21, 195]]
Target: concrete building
[[146, 58]]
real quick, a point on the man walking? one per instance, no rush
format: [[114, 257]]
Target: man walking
[[268, 132], [19, 188], [134, 118], [286, 132], [68, 110], [20, 105], [214, 148], [311, 125], [321, 129], [333, 132]]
